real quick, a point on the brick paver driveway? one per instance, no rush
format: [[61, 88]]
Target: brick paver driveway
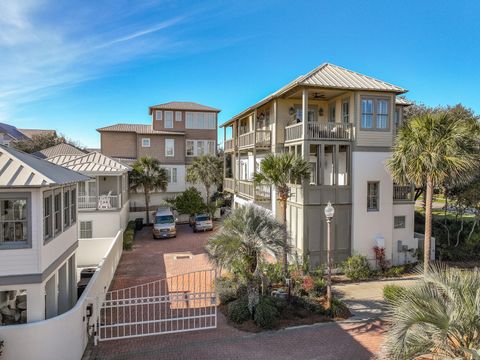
[[152, 259]]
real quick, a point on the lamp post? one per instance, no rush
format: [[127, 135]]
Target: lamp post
[[329, 212]]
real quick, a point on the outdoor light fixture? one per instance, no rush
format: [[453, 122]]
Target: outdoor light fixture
[[329, 211], [320, 112], [89, 310]]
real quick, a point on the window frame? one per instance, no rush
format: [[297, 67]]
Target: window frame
[[375, 196], [178, 115], [374, 120], [84, 223], [346, 114], [396, 226], [192, 142], [14, 245], [168, 121], [47, 196], [66, 209], [158, 115], [73, 205], [166, 147], [143, 143], [332, 112], [59, 211]]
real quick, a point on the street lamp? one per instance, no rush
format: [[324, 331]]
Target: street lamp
[[329, 212]]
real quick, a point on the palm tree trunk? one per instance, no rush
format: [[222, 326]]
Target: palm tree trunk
[[428, 224], [207, 190], [283, 202], [147, 206]]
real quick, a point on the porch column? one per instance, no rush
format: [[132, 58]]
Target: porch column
[[119, 191], [51, 297], [237, 179], [305, 113], [274, 137], [224, 154], [63, 291], [72, 279], [322, 164], [254, 150], [335, 165]]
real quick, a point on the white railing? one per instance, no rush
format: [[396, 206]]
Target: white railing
[[402, 193], [263, 192], [262, 138], [102, 202], [246, 140], [229, 145], [245, 188], [229, 184], [320, 131]]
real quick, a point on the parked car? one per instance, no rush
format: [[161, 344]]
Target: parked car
[[164, 224], [202, 222]]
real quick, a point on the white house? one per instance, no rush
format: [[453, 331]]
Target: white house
[[38, 237]]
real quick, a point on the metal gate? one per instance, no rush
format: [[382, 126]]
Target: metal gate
[[179, 303]]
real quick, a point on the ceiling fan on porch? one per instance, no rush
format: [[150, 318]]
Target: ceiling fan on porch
[[318, 96]]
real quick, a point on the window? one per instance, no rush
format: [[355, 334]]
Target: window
[[189, 121], [73, 205], [397, 117], [210, 120], [332, 112], [372, 196], [86, 231], [211, 147], [367, 113], [172, 175], [145, 142], [190, 148], [199, 120], [200, 147], [47, 217], [312, 113], [57, 212], [399, 222], [13, 221], [158, 114], [178, 116], [382, 114], [345, 111], [169, 147], [168, 119], [66, 208]]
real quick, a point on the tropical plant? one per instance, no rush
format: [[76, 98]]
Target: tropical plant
[[241, 243], [437, 317], [280, 170], [40, 142], [147, 176], [356, 267], [189, 202], [430, 148], [207, 170]]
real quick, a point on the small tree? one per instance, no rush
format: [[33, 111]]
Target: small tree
[[207, 170], [147, 176], [241, 243], [280, 171], [189, 202], [40, 142]]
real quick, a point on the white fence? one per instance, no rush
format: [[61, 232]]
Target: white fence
[[64, 336]]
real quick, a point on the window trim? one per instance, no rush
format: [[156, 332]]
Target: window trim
[[73, 205], [143, 144], [371, 209], [48, 237], [346, 101], [173, 147], [404, 222], [178, 115], [80, 229], [66, 191], [167, 113], [58, 192], [20, 196], [186, 148], [375, 100], [158, 115]]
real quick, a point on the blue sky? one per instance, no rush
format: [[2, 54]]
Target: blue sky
[[79, 65]]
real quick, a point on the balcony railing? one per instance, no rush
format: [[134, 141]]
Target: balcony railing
[[102, 202], [320, 131], [262, 192], [402, 193], [229, 184], [261, 139], [245, 188], [229, 145]]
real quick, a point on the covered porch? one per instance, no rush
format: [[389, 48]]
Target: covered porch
[[103, 193]]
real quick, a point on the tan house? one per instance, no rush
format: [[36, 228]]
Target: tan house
[[179, 131], [344, 124]]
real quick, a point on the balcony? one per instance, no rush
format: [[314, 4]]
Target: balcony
[[245, 189], [320, 131], [259, 139], [229, 145], [102, 202], [229, 184], [403, 193]]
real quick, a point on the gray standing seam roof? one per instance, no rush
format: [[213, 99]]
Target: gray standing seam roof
[[19, 169]]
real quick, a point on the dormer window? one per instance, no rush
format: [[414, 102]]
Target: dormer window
[[158, 115], [13, 221], [168, 119]]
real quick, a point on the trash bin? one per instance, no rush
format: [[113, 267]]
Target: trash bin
[[87, 273], [81, 286], [138, 223]]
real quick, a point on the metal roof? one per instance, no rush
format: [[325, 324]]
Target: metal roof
[[19, 169], [95, 163], [62, 159], [402, 101], [60, 149], [34, 132], [13, 132], [182, 105], [328, 76], [139, 129]]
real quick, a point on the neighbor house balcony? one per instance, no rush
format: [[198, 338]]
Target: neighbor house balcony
[[320, 131], [245, 189], [101, 202], [260, 139], [229, 184], [229, 145], [403, 193]]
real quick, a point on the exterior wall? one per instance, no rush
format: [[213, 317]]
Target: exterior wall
[[406, 235], [369, 225], [57, 246], [119, 144], [157, 148], [105, 223]]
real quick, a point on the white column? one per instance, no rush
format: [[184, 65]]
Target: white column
[[254, 149], [51, 297], [63, 289], [72, 280], [305, 112], [35, 302]]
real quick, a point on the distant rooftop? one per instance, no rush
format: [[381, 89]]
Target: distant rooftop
[[60, 149], [13, 132], [182, 105], [34, 132], [139, 129]]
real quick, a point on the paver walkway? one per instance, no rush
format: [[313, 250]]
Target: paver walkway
[[152, 259]]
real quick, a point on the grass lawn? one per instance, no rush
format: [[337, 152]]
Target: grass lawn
[[440, 214]]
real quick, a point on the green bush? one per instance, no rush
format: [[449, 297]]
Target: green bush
[[320, 285], [131, 225], [395, 271], [274, 273], [227, 290], [356, 267], [238, 310], [128, 239], [266, 313], [392, 293], [338, 309]]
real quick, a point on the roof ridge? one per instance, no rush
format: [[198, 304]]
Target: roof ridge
[[10, 155]]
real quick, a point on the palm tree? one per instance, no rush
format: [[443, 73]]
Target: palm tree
[[147, 176], [208, 170], [429, 149], [241, 243], [437, 317], [279, 171]]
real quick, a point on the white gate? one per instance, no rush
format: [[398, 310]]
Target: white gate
[[179, 303]]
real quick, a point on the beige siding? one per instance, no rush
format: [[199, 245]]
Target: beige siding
[[157, 148], [119, 144]]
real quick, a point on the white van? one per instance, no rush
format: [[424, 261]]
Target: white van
[[164, 224]]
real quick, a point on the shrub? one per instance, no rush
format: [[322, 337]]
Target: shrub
[[274, 273], [308, 284], [238, 310], [226, 290], [395, 271], [266, 313], [356, 267], [131, 225], [128, 239], [338, 309], [392, 293], [319, 286]]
